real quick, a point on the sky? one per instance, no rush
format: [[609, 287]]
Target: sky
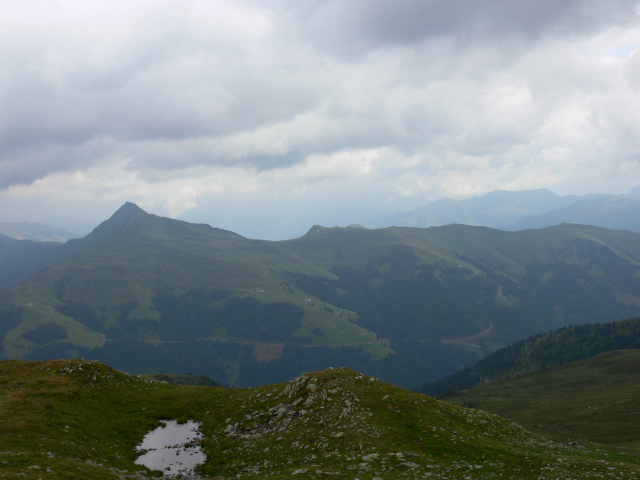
[[266, 118]]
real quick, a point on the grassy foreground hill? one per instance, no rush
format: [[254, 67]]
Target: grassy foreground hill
[[149, 294], [71, 419], [593, 400]]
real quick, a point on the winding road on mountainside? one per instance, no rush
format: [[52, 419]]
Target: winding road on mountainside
[[253, 342], [467, 340]]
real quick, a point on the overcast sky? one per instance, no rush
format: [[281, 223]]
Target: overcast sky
[[266, 117]]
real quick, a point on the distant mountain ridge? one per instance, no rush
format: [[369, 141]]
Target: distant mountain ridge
[[518, 210], [36, 232], [618, 213]]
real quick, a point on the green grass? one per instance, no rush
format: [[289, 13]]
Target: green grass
[[591, 401], [81, 420], [35, 314]]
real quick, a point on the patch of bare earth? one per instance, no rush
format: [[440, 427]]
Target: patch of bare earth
[[266, 353]]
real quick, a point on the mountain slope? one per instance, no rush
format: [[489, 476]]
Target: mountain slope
[[565, 345], [405, 304], [592, 400], [5, 239], [23, 259], [76, 419]]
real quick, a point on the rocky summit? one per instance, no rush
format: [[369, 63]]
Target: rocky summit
[[73, 419]]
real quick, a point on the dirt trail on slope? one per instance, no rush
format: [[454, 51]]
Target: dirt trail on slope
[[468, 340]]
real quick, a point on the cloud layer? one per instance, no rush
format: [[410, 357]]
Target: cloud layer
[[266, 118]]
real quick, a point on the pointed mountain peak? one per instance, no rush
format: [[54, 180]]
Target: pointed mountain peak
[[128, 208], [124, 216]]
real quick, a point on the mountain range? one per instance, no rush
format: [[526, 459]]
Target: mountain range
[[35, 231], [518, 210], [410, 305]]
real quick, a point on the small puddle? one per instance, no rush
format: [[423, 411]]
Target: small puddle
[[173, 448]]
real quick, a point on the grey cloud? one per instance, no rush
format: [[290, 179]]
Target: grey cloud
[[361, 25], [172, 100], [167, 100], [30, 164]]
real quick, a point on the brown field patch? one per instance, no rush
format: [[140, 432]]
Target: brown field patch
[[266, 353]]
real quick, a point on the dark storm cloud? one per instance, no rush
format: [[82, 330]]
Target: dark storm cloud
[[361, 25]]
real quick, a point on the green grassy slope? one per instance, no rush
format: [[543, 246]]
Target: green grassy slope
[[523, 282], [154, 254], [590, 401], [81, 420], [405, 304], [557, 347]]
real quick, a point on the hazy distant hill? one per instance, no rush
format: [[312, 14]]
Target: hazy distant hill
[[76, 420], [5, 239], [525, 209], [496, 209], [36, 232], [22, 259], [150, 294], [609, 211]]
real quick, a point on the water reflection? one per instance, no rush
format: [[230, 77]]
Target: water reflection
[[173, 448]]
